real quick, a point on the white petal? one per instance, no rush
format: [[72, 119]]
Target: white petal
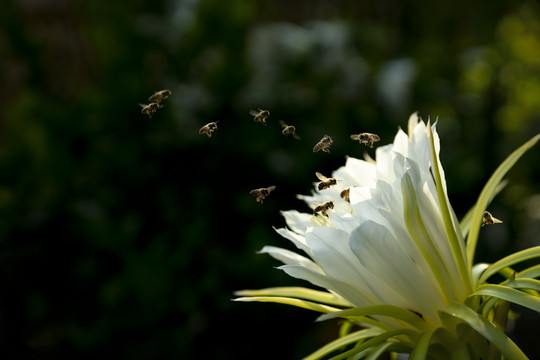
[[290, 258], [297, 221], [381, 253], [330, 250], [351, 294]]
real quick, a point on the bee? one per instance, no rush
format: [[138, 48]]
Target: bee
[[489, 219], [325, 182], [159, 96], [262, 193], [289, 130], [345, 194], [366, 138], [323, 208], [149, 109], [209, 128], [260, 115], [324, 144]]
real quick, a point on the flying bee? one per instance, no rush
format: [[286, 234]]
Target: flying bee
[[289, 130], [345, 194], [209, 128], [260, 115], [366, 138], [149, 109], [324, 144], [262, 193], [323, 208], [325, 182], [489, 219], [159, 96]]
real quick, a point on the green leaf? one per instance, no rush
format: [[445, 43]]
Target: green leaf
[[465, 223], [456, 243], [494, 335], [373, 342], [421, 349], [509, 261], [487, 193], [297, 292], [523, 283], [381, 349], [344, 341], [380, 310], [290, 301], [515, 296], [424, 243], [532, 272]]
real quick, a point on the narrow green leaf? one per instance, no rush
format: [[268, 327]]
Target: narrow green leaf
[[297, 292], [523, 283], [290, 301], [344, 341], [508, 261], [456, 243], [465, 223], [495, 336], [532, 272], [379, 310], [419, 234], [381, 349], [373, 342], [506, 293], [421, 349], [487, 194]]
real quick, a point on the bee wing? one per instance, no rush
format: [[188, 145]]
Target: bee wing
[[142, 105], [320, 176], [271, 188], [255, 192], [355, 137], [283, 123], [295, 135], [495, 220], [253, 112], [375, 137]]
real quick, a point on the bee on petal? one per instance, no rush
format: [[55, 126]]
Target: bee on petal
[[489, 219], [323, 207], [260, 115], [366, 138], [149, 109], [209, 128], [159, 96], [262, 193], [324, 144], [325, 182], [289, 130], [345, 194]]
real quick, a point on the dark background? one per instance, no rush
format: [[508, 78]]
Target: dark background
[[126, 236]]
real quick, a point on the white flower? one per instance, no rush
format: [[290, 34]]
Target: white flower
[[389, 245], [393, 259]]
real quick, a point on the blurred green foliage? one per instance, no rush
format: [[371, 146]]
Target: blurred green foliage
[[126, 236]]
